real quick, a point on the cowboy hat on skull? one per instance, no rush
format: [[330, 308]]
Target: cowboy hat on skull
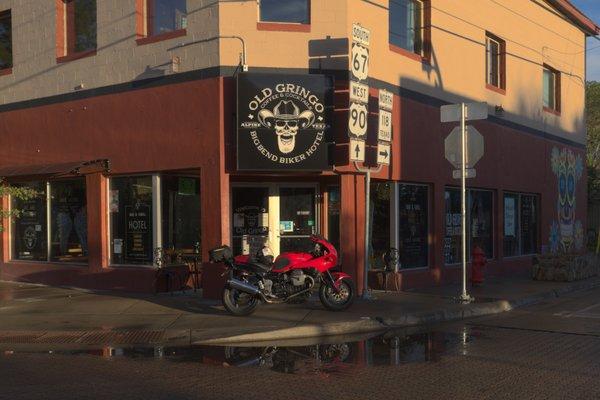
[[287, 119]]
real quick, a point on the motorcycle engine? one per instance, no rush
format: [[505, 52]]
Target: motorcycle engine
[[297, 277]]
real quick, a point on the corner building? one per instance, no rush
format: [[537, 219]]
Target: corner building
[[125, 117]]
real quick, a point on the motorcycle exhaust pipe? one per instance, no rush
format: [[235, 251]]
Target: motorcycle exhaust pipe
[[243, 286]]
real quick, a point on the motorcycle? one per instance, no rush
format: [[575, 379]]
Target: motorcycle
[[290, 278]]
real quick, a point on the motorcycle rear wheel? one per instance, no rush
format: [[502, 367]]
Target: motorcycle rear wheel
[[337, 300], [239, 303]]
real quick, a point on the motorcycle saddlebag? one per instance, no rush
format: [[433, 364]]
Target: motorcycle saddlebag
[[220, 254]]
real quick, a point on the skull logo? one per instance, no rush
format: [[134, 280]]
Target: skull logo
[[286, 119]]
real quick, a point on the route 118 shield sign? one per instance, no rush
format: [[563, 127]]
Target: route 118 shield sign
[[283, 122]]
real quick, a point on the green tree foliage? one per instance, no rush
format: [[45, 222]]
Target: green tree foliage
[[16, 192], [593, 144]]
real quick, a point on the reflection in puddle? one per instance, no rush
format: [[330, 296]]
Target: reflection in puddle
[[389, 349]]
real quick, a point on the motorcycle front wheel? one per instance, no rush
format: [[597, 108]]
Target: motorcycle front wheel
[[239, 303], [337, 300]]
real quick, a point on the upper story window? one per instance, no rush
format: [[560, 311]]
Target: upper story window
[[161, 19], [551, 89], [495, 62], [288, 11], [76, 29], [407, 21], [6, 61]]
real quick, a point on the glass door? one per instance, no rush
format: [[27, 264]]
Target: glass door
[[297, 218], [250, 208]]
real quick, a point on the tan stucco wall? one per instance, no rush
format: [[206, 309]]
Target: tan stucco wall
[[119, 59], [534, 33]]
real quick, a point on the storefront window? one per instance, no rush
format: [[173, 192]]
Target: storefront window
[[181, 212], [413, 225], [520, 224], [131, 225], [380, 222], [333, 216], [29, 228], [68, 221], [480, 219]]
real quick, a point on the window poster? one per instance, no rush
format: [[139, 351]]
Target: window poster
[[509, 216], [138, 242], [29, 229], [413, 216]]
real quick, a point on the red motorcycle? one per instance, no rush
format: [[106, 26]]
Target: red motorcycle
[[290, 278]]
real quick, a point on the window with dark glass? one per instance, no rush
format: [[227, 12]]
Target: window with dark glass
[[521, 226], [551, 89], [288, 11], [6, 57], [406, 21], [250, 219], [380, 222], [68, 221], [495, 61], [181, 212], [413, 225], [165, 16], [480, 229], [29, 228], [131, 227], [333, 215], [81, 25]]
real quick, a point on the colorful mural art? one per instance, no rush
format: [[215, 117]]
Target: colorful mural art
[[566, 233]]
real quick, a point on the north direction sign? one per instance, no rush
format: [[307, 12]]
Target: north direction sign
[[385, 126], [386, 100]]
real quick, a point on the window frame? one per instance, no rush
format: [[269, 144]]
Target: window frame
[[556, 107], [157, 204], [144, 30], [47, 183], [501, 86], [65, 33], [284, 26], [519, 196], [8, 69], [424, 55], [468, 217]]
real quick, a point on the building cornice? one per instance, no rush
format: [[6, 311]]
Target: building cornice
[[576, 16]]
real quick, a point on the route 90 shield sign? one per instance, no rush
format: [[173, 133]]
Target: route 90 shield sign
[[283, 122]]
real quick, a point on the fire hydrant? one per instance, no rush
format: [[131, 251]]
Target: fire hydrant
[[478, 262]]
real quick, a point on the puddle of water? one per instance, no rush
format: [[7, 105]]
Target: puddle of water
[[392, 348]]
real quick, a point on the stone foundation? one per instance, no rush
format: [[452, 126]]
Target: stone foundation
[[565, 267]]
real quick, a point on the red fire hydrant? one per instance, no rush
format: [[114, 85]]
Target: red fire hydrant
[[478, 262]]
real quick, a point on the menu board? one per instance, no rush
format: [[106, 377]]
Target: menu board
[[138, 231]]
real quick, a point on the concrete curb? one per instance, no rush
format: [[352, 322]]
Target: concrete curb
[[377, 324]]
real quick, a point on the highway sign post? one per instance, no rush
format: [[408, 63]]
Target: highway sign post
[[463, 148]]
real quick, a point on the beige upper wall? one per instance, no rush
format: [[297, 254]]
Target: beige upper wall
[[535, 34], [119, 59]]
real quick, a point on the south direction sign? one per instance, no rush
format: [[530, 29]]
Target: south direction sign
[[383, 153], [453, 147], [361, 35], [357, 150]]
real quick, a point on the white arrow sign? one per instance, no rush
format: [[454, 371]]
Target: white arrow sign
[[357, 150], [453, 147], [383, 153]]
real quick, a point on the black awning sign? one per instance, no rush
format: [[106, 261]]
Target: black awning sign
[[283, 122]]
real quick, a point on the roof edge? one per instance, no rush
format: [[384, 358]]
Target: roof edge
[[577, 16]]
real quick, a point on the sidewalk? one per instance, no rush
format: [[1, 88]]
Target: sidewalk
[[32, 314]]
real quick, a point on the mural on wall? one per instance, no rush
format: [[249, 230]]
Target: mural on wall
[[566, 233]]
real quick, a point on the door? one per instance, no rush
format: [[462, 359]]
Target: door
[[250, 219], [297, 218]]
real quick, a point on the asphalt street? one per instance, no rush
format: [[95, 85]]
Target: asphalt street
[[547, 351]]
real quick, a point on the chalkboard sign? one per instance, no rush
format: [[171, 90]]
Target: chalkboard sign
[[138, 229]]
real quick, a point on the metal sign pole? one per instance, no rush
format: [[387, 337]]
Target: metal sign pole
[[464, 296]]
